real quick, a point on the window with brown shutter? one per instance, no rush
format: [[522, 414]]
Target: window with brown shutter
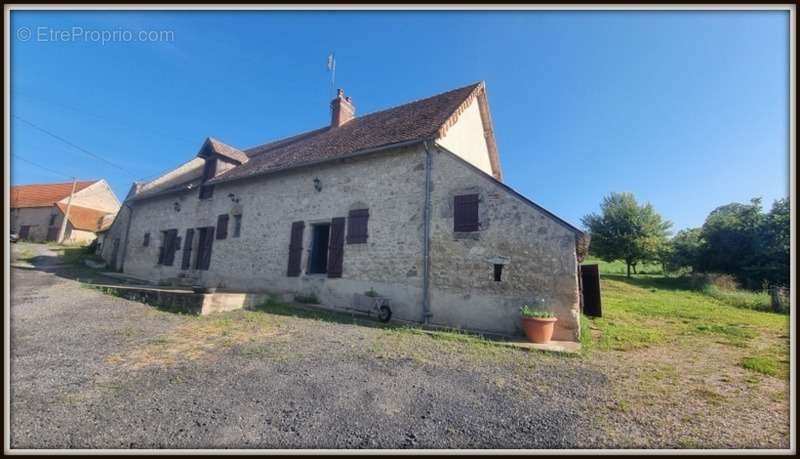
[[187, 249], [357, 226], [295, 249], [166, 253], [205, 241], [465, 213], [222, 226], [336, 247]]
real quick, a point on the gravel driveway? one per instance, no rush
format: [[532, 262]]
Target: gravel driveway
[[91, 370]]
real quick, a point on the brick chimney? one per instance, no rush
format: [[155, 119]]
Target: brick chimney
[[342, 109]]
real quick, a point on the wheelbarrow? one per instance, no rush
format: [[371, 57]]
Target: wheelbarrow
[[377, 306]]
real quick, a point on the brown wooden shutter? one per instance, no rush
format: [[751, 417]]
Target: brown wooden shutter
[[336, 247], [170, 237], [187, 249], [204, 252], [295, 249], [357, 226], [222, 226], [465, 212]]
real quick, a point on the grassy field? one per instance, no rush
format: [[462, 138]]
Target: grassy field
[[684, 358]]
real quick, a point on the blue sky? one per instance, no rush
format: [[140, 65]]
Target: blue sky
[[687, 110]]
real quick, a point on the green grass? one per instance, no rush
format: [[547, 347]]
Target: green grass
[[651, 310], [759, 301], [618, 267], [768, 365]]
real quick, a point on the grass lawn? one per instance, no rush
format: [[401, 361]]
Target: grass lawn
[[679, 356]]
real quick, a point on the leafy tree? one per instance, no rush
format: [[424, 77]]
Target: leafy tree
[[627, 231], [731, 239], [684, 250]]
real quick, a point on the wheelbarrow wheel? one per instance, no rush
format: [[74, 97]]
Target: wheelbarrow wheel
[[384, 314]]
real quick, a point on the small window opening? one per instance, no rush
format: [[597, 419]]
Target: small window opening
[[146, 241], [237, 225], [318, 261], [498, 273]]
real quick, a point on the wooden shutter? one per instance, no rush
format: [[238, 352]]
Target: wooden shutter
[[336, 247], [295, 249], [465, 212], [187, 249], [357, 226], [222, 226], [170, 237], [204, 250]]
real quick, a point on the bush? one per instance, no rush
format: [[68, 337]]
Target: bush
[[528, 312]]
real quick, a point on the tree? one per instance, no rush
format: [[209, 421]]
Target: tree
[[627, 231], [684, 250], [741, 240], [731, 239]]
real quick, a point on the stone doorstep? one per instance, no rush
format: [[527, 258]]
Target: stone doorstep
[[570, 347]]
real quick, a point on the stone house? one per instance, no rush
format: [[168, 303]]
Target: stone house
[[37, 211], [408, 202]]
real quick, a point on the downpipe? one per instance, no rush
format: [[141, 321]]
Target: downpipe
[[426, 243]]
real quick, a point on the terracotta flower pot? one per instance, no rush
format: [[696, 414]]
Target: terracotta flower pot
[[538, 330]]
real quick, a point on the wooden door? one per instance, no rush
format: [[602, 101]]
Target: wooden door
[[590, 289]]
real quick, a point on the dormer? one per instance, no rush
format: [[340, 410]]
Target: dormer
[[219, 158]]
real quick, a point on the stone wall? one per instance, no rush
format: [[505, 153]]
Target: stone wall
[[390, 184], [38, 218], [538, 251]]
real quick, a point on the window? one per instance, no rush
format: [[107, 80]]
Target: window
[[357, 226], [318, 260], [169, 244], [237, 225], [53, 219], [209, 171], [146, 241], [498, 272], [222, 226], [465, 213]]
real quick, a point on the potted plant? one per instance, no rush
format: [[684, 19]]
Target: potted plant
[[538, 324]]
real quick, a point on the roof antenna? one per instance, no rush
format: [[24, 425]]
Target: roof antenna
[[332, 70]]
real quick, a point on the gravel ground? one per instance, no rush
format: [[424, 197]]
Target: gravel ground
[[314, 385]]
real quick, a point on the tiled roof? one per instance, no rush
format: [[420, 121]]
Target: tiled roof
[[44, 195], [83, 218], [415, 121]]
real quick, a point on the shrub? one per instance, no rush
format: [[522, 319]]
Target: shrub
[[307, 299]]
